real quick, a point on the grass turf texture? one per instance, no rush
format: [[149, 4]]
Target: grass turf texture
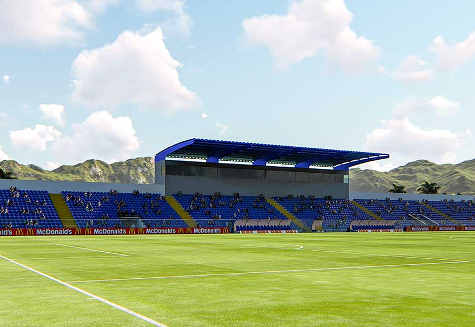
[[406, 295]]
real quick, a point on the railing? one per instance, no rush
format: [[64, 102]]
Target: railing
[[417, 218]]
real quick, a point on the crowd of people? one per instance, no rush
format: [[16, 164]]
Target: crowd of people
[[106, 209], [233, 207], [26, 207]]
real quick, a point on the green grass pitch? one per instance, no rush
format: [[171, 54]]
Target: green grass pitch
[[335, 279]]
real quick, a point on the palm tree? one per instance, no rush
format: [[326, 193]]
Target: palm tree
[[428, 188], [398, 189], [6, 175]]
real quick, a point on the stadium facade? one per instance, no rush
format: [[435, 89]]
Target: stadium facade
[[209, 166], [208, 186]]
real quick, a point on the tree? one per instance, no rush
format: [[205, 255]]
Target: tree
[[398, 189], [428, 188], [6, 175]]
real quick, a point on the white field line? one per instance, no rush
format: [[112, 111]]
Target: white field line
[[269, 272], [91, 250], [90, 295], [378, 255], [76, 257], [298, 247]]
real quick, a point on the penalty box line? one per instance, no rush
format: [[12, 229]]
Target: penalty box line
[[269, 272], [90, 295]]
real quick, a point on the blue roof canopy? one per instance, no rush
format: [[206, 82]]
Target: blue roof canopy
[[262, 154]]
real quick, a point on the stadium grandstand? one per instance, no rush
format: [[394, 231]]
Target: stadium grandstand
[[208, 186]]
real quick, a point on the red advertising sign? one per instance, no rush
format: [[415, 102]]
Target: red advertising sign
[[447, 228], [439, 228], [268, 232], [418, 229], [107, 231], [392, 230]]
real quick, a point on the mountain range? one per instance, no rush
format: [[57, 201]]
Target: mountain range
[[453, 178]]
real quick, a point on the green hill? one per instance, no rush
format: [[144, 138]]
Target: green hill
[[454, 178], [133, 171]]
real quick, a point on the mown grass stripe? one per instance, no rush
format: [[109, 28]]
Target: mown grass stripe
[[270, 272], [90, 295]]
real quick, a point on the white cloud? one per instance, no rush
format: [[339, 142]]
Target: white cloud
[[182, 20], [308, 27], [136, 68], [406, 141], [6, 79], [444, 106], [42, 21], [381, 165], [36, 138], [222, 128], [452, 56], [100, 6], [53, 112], [438, 105], [3, 155], [100, 136], [204, 115], [413, 69], [50, 165], [152, 5]]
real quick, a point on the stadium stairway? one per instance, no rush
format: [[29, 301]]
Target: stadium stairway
[[369, 212], [418, 219], [187, 218], [63, 211], [428, 206], [289, 216]]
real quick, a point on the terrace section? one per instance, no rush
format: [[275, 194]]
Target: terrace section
[[459, 213], [223, 211], [27, 209], [335, 215], [112, 209]]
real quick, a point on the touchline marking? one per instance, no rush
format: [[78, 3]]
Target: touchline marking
[[90, 295], [267, 272], [76, 257], [91, 250], [379, 255]]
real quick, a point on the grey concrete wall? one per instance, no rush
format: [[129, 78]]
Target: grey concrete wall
[[415, 197], [160, 172], [229, 186], [58, 187]]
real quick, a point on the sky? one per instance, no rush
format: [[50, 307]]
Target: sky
[[118, 79]]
